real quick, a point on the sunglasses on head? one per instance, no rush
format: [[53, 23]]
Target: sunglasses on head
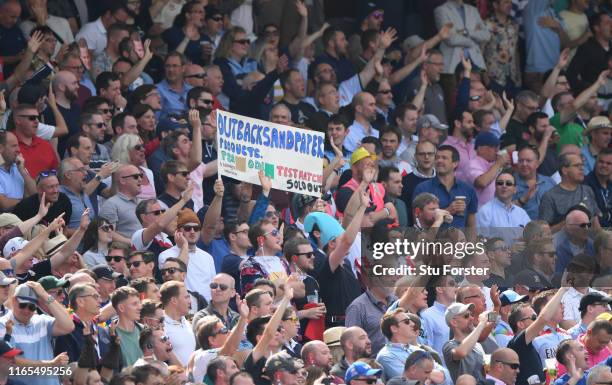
[[45, 174], [189, 228], [508, 183], [29, 306], [116, 258], [170, 270], [220, 286], [107, 228]]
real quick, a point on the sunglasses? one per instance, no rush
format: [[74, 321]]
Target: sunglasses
[[585, 225], [9, 272], [163, 338], [116, 258], [189, 228], [368, 381], [274, 233], [309, 254], [385, 92], [32, 118], [271, 33], [99, 125], [107, 228], [242, 41], [157, 212], [199, 76], [184, 174], [206, 101], [136, 264], [533, 317], [170, 270], [138, 147], [217, 18], [135, 176], [223, 330], [105, 110], [271, 214], [504, 182], [378, 15], [512, 365], [29, 306], [220, 286]]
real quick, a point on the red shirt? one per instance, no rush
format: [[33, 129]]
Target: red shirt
[[39, 156]]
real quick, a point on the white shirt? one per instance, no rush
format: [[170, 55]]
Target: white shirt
[[182, 338], [138, 244], [571, 303], [59, 25], [94, 34], [200, 269]]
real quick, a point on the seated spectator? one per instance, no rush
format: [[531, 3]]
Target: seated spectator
[[96, 241], [103, 61], [355, 345], [484, 169], [391, 179], [573, 239], [13, 38], [108, 86], [517, 131], [390, 139], [126, 303], [175, 301], [48, 191], [173, 89], [294, 91], [94, 32], [105, 279], [37, 153], [530, 185], [592, 304], [419, 367], [599, 134], [434, 101], [129, 150], [500, 258], [15, 180], [176, 179], [94, 127], [504, 366], [120, 208], [195, 75], [72, 177], [116, 260]]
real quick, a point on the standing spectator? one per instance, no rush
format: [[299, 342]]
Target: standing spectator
[[103, 62], [425, 153], [365, 113], [12, 38], [434, 103], [390, 139], [405, 118], [463, 354], [573, 239], [500, 257], [16, 183], [66, 87], [598, 181], [176, 302], [517, 131], [503, 331], [592, 304], [120, 208], [222, 291], [356, 345], [482, 171], [391, 179], [596, 341], [576, 25], [141, 265], [504, 366], [95, 32], [184, 36], [501, 51], [294, 90], [445, 289], [335, 50], [530, 185], [40, 16], [173, 89], [108, 86], [28, 323], [462, 139], [126, 302]]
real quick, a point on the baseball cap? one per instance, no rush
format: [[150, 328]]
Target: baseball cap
[[529, 279], [300, 201], [411, 41], [359, 368], [510, 297], [365, 8], [593, 298], [26, 294], [13, 245], [456, 308], [30, 93], [605, 316], [331, 336], [429, 120], [105, 272], [282, 361], [50, 282], [7, 351], [596, 123], [486, 139], [212, 11], [8, 219], [5, 281], [359, 154]]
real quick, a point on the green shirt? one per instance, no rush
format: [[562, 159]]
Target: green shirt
[[569, 133], [130, 350]]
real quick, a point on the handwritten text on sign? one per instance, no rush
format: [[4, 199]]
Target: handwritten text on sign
[[291, 157]]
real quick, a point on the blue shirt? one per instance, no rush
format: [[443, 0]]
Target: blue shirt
[[172, 102], [588, 159], [79, 204], [438, 331], [566, 377], [11, 182], [392, 357], [356, 133], [543, 44], [532, 206], [435, 187], [495, 219], [173, 36]]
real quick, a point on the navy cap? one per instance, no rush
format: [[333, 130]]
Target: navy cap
[[486, 139]]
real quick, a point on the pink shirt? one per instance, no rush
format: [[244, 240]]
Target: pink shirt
[[466, 153], [592, 358], [476, 167]]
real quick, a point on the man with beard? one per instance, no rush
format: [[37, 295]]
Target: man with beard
[[462, 140], [540, 138], [335, 51], [540, 257], [66, 87], [355, 345], [463, 354], [317, 353], [15, 181], [434, 95], [424, 154], [390, 139], [365, 113]]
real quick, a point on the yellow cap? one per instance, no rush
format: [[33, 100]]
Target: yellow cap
[[605, 316], [359, 154]]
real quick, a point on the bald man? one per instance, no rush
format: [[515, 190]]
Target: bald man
[[465, 379], [66, 88], [504, 366], [573, 239], [120, 209], [364, 105], [223, 288], [317, 353], [195, 75], [355, 344]]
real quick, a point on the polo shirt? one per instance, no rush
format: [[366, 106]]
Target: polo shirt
[[94, 34], [593, 358], [172, 102], [446, 197], [182, 338], [229, 320], [121, 211], [497, 219], [34, 339], [367, 312], [28, 208], [532, 206], [200, 269], [356, 133], [39, 156], [79, 203], [475, 168], [11, 182], [466, 154]]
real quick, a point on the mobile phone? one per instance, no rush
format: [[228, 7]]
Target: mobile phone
[[492, 317]]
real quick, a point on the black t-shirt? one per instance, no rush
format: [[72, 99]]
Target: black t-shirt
[[300, 112], [71, 116], [256, 369], [310, 285], [516, 133], [39, 270], [170, 201], [338, 288], [531, 365], [28, 208]]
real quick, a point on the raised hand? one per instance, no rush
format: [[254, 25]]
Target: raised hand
[[188, 193], [43, 206], [180, 239], [84, 223], [467, 64], [51, 97], [387, 37], [508, 103], [563, 59], [301, 8], [194, 119], [61, 359], [243, 308], [283, 64], [446, 31], [148, 55], [35, 41], [265, 182], [219, 188]]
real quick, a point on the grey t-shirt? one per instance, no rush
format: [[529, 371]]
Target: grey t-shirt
[[470, 364], [556, 201]]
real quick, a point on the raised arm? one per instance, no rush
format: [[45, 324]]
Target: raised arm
[[548, 89], [406, 70], [546, 315], [233, 340], [73, 242], [569, 111], [63, 322], [295, 47], [468, 343], [344, 241], [195, 154], [213, 214], [166, 218], [262, 346], [61, 128], [31, 247], [373, 66], [137, 68]]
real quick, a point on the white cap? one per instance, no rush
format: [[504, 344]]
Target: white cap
[[12, 246]]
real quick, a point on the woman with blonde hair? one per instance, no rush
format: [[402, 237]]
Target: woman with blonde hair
[[129, 149]]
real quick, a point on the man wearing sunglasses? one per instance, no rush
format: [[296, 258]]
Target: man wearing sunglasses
[[504, 366], [222, 290], [573, 239], [175, 270], [120, 209], [156, 347], [37, 153], [34, 333]]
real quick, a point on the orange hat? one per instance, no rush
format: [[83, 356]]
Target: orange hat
[[186, 216]]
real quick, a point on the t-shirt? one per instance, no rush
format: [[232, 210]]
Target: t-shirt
[[470, 364], [516, 133], [569, 133], [300, 112], [531, 365], [130, 350], [556, 201], [256, 369]]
